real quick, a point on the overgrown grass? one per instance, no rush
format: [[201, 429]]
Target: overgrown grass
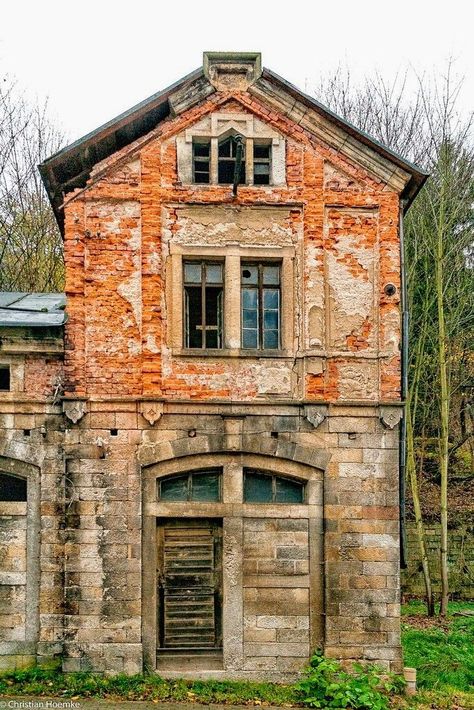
[[51, 682], [443, 655]]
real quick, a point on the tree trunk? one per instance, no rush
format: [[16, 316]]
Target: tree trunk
[[420, 531], [444, 414]]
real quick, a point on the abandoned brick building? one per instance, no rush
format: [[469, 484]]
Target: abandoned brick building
[[200, 456]]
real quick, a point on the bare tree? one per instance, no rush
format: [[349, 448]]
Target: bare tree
[[30, 244]]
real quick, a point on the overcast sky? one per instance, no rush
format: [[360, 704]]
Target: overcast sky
[[96, 58]]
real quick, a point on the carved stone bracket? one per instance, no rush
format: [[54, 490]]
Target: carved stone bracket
[[74, 409], [316, 413], [390, 416], [152, 411]]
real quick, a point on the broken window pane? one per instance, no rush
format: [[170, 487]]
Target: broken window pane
[[203, 305], [260, 306], [201, 161], [226, 162], [12, 488]]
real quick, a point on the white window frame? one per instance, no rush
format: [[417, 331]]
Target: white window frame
[[221, 126]]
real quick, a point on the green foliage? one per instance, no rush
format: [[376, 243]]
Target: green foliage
[[51, 682], [443, 656], [328, 685]]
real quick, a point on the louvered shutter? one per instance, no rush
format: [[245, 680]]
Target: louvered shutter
[[189, 585]]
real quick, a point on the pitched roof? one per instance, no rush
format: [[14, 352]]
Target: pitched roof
[[32, 310], [70, 168]]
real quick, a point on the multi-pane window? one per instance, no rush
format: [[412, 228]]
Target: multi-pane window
[[267, 488], [201, 161], [226, 159], [198, 486], [261, 305], [203, 304], [226, 162], [12, 488], [261, 163]]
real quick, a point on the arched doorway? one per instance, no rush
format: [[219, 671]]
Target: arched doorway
[[232, 563]]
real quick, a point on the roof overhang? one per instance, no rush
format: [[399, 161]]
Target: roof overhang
[[71, 167]]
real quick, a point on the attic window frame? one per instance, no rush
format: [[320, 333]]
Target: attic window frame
[[202, 159], [219, 127]]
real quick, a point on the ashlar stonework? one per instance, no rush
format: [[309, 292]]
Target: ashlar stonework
[[212, 466]]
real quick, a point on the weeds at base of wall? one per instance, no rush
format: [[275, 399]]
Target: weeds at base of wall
[[325, 685]]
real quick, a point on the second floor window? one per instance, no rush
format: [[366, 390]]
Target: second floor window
[[260, 294], [203, 304]]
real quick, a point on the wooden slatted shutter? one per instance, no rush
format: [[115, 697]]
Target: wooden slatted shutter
[[189, 584]]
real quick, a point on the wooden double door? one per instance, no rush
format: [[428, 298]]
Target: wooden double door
[[189, 584]]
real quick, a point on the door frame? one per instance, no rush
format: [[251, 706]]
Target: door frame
[[216, 526], [232, 511]]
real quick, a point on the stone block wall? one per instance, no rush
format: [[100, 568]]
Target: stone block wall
[[276, 594], [460, 561], [31, 538]]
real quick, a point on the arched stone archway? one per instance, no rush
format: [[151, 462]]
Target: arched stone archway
[[20, 566], [272, 554]]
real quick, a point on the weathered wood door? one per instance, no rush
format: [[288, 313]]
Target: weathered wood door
[[189, 584]]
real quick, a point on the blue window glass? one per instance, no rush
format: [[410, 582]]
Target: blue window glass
[[261, 308], [262, 487]]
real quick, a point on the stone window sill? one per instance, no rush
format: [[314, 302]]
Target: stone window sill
[[230, 353]]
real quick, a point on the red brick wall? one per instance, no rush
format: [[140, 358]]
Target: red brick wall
[[115, 277]]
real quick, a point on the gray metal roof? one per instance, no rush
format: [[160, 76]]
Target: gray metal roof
[[32, 310]]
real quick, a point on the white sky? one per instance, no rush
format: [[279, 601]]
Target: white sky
[[96, 58]]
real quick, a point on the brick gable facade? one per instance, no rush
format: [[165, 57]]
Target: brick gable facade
[[315, 419]]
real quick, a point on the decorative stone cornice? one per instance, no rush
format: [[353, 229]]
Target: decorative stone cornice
[[316, 413], [151, 411], [74, 409], [390, 416], [232, 70]]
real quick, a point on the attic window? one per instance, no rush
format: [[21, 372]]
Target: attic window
[[261, 163], [201, 162], [5, 378], [226, 162]]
